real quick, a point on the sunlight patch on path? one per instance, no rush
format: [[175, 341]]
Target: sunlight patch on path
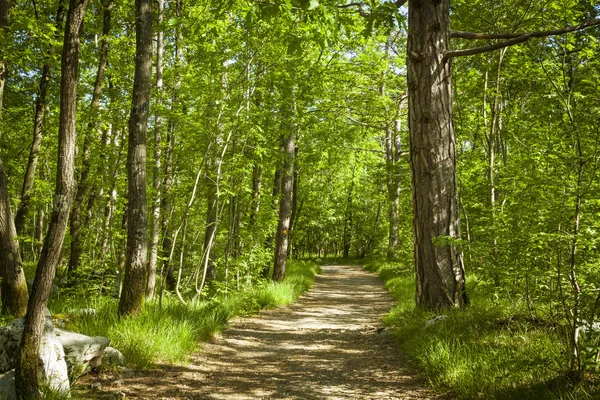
[[328, 345]]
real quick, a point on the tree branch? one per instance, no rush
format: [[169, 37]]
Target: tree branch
[[489, 36], [513, 38]]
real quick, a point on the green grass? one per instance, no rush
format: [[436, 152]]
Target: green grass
[[169, 334], [489, 350]]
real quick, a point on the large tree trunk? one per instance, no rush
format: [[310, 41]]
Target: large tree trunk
[[440, 278], [26, 376], [285, 206], [13, 286], [38, 125], [134, 283], [82, 182]]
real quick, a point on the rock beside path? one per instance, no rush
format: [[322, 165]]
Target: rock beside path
[[51, 357]]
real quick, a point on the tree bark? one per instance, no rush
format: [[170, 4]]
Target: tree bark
[[4, 21], [347, 232], [26, 374], [285, 205], [84, 174], [134, 283], [440, 277], [13, 286], [156, 179], [38, 126]]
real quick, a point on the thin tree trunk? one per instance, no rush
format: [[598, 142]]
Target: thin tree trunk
[[26, 374], [276, 194], [156, 179], [4, 21], [283, 227], [82, 181], [134, 282], [38, 125], [169, 177], [294, 214], [440, 277], [347, 234], [13, 286], [256, 186]]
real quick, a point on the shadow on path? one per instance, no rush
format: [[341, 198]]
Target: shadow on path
[[329, 345]]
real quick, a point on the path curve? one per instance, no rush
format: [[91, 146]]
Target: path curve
[[329, 345]]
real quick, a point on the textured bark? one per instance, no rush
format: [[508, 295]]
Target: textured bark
[[440, 279], [26, 375], [392, 155], [285, 206], [38, 125], [84, 173], [13, 287], [134, 283], [156, 179]]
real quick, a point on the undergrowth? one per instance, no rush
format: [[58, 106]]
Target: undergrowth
[[168, 333], [489, 350]]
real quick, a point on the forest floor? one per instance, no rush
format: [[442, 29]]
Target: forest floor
[[331, 344]]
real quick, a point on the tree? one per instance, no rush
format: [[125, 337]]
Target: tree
[[134, 283], [13, 288], [38, 125], [439, 265], [26, 374]]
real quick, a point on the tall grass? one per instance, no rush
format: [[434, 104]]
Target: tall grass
[[169, 333], [489, 350]]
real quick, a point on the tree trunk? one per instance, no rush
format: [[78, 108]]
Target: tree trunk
[[392, 155], [275, 194], [347, 234], [169, 177], [156, 179], [26, 374], [285, 206], [134, 283], [4, 21], [294, 213], [82, 182], [440, 278], [38, 125], [256, 185], [13, 286]]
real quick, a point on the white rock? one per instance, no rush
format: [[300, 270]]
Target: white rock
[[113, 357], [82, 351], [51, 357], [435, 320]]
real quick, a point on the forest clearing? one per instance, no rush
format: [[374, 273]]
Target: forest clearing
[[169, 168]]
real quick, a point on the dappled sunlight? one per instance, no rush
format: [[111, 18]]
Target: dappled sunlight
[[331, 344]]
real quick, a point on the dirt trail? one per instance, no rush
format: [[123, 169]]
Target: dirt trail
[[329, 345]]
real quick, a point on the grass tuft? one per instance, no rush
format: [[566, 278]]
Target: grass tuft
[[489, 350], [169, 334]]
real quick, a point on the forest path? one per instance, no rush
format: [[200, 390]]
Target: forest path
[[329, 345]]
